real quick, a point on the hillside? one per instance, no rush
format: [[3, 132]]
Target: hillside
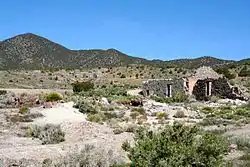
[[197, 62], [29, 51]]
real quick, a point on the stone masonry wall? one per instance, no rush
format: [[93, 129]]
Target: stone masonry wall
[[158, 87], [220, 87]]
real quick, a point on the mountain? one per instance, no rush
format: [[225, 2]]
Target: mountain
[[198, 62], [30, 51]]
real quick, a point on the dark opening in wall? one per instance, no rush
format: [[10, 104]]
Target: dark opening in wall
[[169, 90], [187, 84], [208, 88], [147, 93]]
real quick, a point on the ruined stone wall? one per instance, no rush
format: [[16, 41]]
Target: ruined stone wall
[[220, 87], [158, 87]]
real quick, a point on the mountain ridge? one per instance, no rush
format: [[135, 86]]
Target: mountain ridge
[[30, 51]]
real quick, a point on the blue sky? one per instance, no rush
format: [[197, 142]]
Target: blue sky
[[153, 29]]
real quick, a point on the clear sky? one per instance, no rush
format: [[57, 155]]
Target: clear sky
[[153, 29]]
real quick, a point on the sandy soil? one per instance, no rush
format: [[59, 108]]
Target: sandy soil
[[78, 132], [60, 113]]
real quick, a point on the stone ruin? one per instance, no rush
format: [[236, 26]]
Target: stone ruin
[[203, 84]]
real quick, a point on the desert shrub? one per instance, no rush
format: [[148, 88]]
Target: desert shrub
[[162, 115], [228, 115], [139, 110], [126, 146], [110, 115], [247, 106], [53, 97], [24, 117], [48, 134], [133, 115], [33, 131], [123, 76], [225, 71], [131, 128], [244, 72], [51, 134], [3, 92], [82, 86], [160, 100], [177, 145], [86, 106], [215, 121], [125, 100], [107, 108], [118, 130], [179, 114], [95, 118], [207, 110], [179, 70], [23, 109], [242, 143], [245, 160], [178, 98], [89, 156]]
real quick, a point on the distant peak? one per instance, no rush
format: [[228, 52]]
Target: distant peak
[[112, 50], [27, 34]]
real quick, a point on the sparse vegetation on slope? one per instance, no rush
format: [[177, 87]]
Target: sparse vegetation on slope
[[34, 52]]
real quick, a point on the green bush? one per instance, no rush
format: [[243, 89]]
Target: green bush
[[242, 143], [48, 134], [51, 134], [86, 106], [82, 86], [126, 146], [118, 130], [3, 92], [207, 110], [177, 146], [89, 156], [53, 97], [178, 98], [33, 131], [139, 110], [225, 71], [161, 115], [131, 128], [23, 109], [107, 108], [95, 118], [179, 114], [244, 72], [110, 115]]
